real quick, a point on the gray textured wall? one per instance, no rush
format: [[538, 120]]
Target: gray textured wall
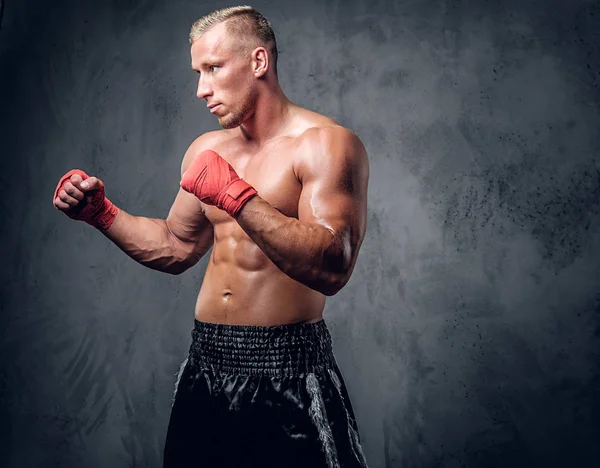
[[469, 333]]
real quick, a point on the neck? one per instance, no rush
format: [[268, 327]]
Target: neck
[[269, 116]]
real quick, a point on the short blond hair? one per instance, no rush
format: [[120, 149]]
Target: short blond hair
[[242, 21]]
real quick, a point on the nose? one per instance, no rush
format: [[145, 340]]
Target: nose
[[204, 90]]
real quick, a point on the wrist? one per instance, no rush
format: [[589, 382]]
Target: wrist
[[234, 196], [104, 218], [243, 202], [246, 202]]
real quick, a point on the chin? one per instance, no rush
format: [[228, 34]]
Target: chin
[[232, 122], [228, 124]]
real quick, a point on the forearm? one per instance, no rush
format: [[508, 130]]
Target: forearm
[[308, 253], [148, 241]]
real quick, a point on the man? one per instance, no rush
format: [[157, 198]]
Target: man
[[281, 195]]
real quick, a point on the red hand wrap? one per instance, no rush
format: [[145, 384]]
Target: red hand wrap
[[215, 182], [100, 213]]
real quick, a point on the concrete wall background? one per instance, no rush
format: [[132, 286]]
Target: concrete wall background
[[469, 333]]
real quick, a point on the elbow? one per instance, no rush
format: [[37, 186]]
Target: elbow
[[334, 285], [185, 258], [332, 290], [181, 263], [338, 275], [185, 263]]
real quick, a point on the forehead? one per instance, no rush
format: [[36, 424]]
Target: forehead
[[212, 44]]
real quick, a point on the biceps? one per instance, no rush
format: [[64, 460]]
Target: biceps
[[188, 224]]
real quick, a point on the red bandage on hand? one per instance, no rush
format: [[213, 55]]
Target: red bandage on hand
[[215, 182], [100, 212]]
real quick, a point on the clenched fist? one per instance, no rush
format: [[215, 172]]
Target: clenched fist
[[215, 182], [82, 197]]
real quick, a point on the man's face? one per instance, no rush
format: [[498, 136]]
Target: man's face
[[225, 77]]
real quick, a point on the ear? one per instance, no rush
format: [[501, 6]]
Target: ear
[[260, 61]]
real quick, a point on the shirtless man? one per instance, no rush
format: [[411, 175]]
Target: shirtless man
[[281, 195]]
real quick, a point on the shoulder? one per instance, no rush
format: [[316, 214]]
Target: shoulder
[[331, 137], [330, 145], [321, 133], [205, 141]]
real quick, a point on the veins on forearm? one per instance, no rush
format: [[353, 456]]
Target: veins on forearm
[[309, 253]]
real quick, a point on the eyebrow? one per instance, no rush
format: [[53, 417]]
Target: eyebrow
[[216, 62]]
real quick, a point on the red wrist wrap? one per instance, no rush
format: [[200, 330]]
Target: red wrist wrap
[[234, 196]]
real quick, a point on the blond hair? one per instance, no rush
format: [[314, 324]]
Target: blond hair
[[242, 21]]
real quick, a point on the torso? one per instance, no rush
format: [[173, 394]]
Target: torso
[[241, 285]]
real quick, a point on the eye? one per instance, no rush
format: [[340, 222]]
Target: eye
[[213, 68]]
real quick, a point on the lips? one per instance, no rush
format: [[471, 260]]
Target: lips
[[213, 107]]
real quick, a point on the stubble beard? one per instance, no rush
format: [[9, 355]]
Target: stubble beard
[[237, 117]]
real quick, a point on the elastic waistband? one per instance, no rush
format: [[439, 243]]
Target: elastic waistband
[[284, 350]]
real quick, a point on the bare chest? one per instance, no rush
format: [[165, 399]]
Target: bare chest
[[270, 171]]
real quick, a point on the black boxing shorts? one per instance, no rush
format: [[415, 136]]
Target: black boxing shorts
[[260, 397]]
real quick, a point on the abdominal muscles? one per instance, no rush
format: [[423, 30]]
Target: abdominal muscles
[[243, 287]]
